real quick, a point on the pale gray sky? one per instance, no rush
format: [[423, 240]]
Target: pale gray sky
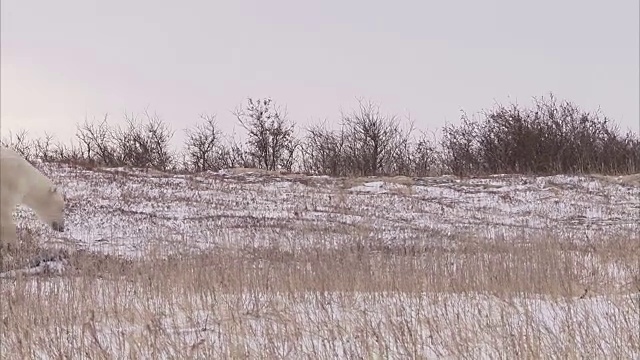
[[67, 59]]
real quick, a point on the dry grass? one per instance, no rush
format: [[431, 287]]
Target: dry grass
[[548, 297], [631, 179], [267, 266]]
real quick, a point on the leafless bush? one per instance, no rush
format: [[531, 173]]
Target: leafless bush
[[322, 151], [375, 144], [21, 143], [410, 155], [70, 154], [43, 148], [271, 142], [459, 147], [549, 138], [368, 143], [97, 143], [140, 143], [144, 143], [206, 151], [201, 143], [241, 156], [425, 158], [371, 139]]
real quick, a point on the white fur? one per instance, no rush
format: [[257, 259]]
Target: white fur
[[22, 183]]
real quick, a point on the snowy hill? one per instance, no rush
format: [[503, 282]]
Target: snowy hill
[[246, 263]]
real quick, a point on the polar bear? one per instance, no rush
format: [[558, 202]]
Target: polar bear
[[22, 183]]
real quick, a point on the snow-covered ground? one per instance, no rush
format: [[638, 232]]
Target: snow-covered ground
[[125, 212], [134, 213]]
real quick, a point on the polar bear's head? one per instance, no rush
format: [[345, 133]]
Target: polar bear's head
[[51, 209]]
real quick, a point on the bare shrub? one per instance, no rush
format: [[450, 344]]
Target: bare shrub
[[70, 154], [96, 143], [322, 151], [205, 149], [548, 138], [367, 143], [459, 147], [411, 155], [145, 143], [21, 143], [369, 138], [271, 142], [140, 143], [43, 148], [551, 137], [425, 158], [375, 144], [241, 155], [201, 142]]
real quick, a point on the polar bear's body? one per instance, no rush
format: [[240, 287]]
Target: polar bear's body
[[22, 183]]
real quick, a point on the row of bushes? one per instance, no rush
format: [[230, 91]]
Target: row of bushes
[[550, 137]]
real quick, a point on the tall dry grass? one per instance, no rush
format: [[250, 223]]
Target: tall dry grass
[[539, 298]]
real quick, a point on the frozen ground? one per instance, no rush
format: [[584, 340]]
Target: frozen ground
[[128, 212], [136, 213]]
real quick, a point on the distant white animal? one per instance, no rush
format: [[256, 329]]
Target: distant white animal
[[22, 183]]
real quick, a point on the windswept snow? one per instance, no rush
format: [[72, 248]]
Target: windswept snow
[[126, 212]]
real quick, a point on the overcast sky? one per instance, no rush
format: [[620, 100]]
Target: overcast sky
[[66, 60]]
